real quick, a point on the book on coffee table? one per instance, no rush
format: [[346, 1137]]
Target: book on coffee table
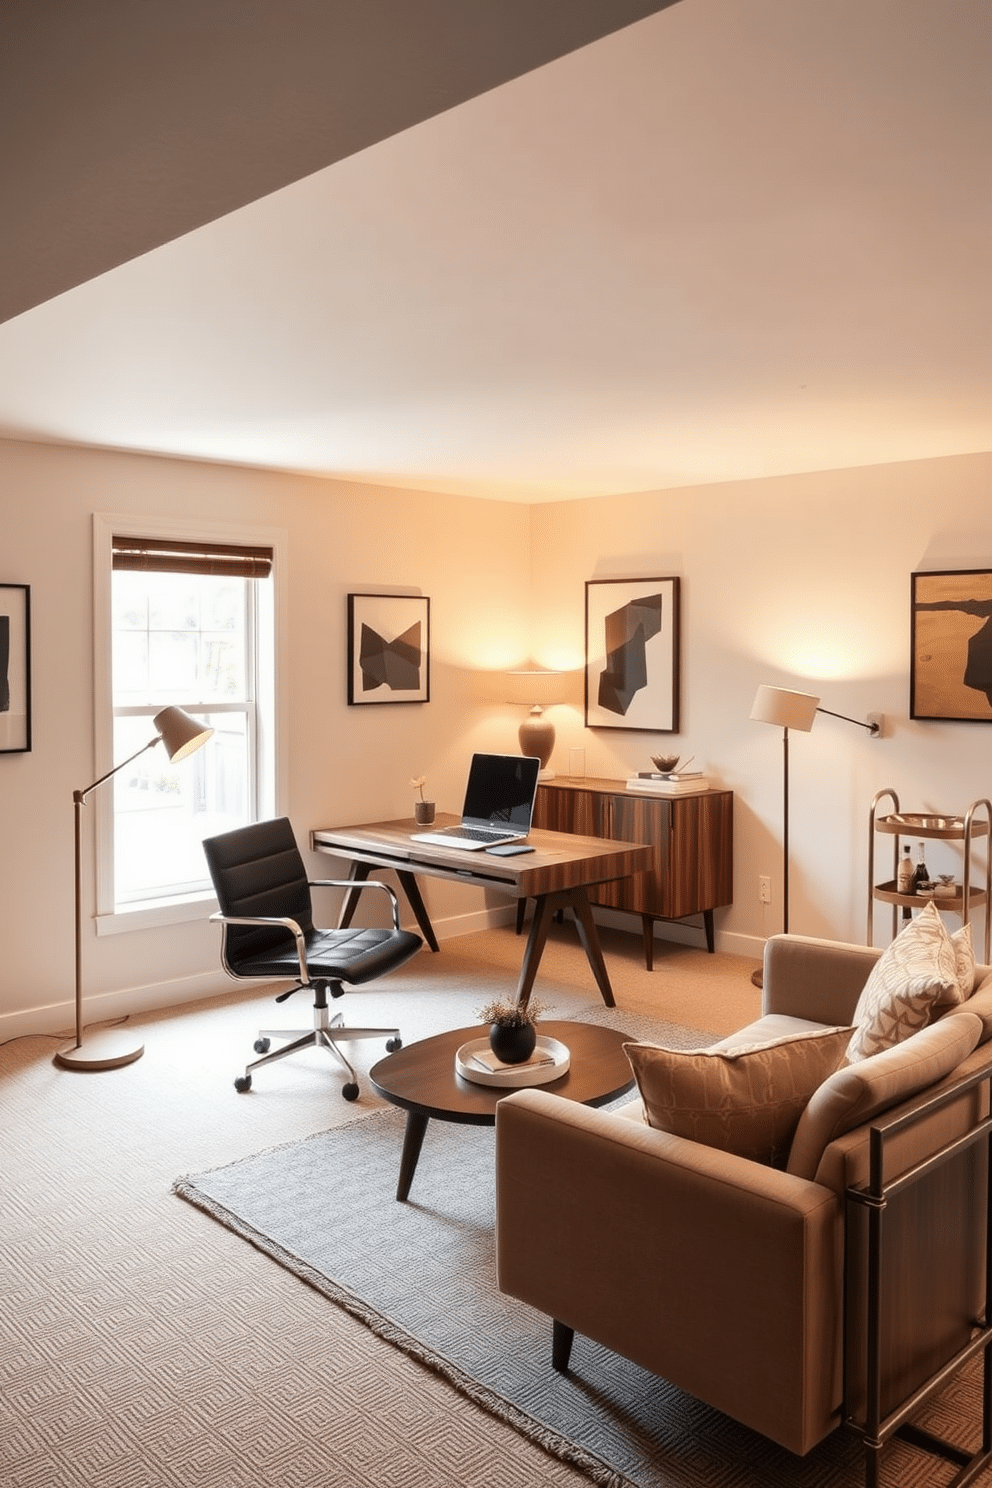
[[487, 1060]]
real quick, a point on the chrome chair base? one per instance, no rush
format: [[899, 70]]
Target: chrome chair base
[[328, 1033]]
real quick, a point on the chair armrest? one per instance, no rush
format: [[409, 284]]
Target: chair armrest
[[820, 980], [721, 1275], [283, 920], [359, 884]]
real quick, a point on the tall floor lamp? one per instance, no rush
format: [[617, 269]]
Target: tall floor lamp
[[182, 736], [792, 710]]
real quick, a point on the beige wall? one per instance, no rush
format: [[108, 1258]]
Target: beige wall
[[801, 581], [343, 764]]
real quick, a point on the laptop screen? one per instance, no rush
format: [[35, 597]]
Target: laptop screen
[[501, 790]]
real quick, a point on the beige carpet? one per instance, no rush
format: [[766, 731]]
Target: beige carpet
[[142, 1344]]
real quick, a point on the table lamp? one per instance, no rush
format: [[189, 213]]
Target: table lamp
[[537, 687], [109, 1049]]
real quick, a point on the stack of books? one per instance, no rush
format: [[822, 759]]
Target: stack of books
[[652, 783]]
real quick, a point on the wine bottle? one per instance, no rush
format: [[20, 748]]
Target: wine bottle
[[906, 880], [921, 873], [906, 876]]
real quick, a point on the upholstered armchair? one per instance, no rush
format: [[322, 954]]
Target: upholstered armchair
[[792, 1298]]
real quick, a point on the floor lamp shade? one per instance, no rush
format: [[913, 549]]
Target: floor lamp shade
[[182, 736], [791, 710], [786, 710], [537, 688]]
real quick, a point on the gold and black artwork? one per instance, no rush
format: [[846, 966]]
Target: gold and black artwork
[[951, 664]]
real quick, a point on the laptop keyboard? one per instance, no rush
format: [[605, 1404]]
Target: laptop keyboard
[[476, 834]]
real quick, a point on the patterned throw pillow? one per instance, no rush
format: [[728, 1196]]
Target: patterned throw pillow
[[915, 973], [746, 1100], [964, 960]]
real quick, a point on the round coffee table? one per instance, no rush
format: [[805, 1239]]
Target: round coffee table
[[423, 1081]]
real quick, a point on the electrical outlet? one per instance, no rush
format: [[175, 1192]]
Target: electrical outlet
[[764, 889], [876, 722]]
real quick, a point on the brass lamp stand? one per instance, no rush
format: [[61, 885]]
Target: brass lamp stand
[[109, 1049]]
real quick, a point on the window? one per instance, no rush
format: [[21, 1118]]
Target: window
[[192, 623]]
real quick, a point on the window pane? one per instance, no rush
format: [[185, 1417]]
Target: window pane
[[184, 639], [177, 637], [172, 665], [164, 810]]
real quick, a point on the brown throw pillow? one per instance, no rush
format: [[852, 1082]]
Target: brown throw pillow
[[746, 1100]]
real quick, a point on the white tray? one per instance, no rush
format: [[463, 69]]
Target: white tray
[[514, 1075]]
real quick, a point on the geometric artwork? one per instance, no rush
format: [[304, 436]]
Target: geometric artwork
[[15, 668], [388, 648], [632, 654], [951, 652], [627, 632]]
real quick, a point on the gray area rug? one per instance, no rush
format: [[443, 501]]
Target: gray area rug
[[421, 1275]]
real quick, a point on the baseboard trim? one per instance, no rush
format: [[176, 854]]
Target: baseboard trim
[[58, 1018]]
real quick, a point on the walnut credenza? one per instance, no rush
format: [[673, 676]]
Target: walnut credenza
[[691, 837]]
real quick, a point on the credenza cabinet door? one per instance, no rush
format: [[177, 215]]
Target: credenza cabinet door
[[691, 838]]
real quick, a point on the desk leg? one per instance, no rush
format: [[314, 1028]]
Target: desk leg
[[546, 905], [412, 892], [359, 873], [536, 941], [413, 1140], [589, 936]]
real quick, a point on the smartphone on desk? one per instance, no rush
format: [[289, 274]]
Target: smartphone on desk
[[508, 849]]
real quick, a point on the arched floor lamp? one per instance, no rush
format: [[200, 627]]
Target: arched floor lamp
[[111, 1048], [792, 710]]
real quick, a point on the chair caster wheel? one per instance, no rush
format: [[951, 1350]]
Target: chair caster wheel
[[242, 1083], [349, 1091], [393, 1044], [262, 1046]]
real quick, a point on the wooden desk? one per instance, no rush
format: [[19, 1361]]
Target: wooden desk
[[557, 875], [691, 868]]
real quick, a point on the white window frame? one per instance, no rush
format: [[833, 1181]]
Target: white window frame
[[271, 753]]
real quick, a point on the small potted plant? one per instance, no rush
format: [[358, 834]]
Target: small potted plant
[[512, 1030], [423, 809]]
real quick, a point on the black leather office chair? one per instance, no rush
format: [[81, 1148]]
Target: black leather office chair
[[265, 910]]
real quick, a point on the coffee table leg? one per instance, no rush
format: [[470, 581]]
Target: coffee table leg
[[413, 1140]]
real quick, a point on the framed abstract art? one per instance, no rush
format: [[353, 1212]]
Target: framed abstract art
[[951, 656], [632, 654], [15, 668], [389, 648]]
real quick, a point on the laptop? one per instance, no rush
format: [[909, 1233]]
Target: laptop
[[499, 803]]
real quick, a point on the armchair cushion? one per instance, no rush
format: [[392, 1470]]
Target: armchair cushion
[[858, 1092], [746, 1100], [915, 972]]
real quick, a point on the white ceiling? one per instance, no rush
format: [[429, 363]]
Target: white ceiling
[[738, 238]]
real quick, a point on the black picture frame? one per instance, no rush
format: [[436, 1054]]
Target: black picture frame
[[950, 676], [632, 679], [15, 668], [389, 658]]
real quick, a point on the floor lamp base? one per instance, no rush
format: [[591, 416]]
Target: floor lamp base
[[102, 1051], [758, 977]]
